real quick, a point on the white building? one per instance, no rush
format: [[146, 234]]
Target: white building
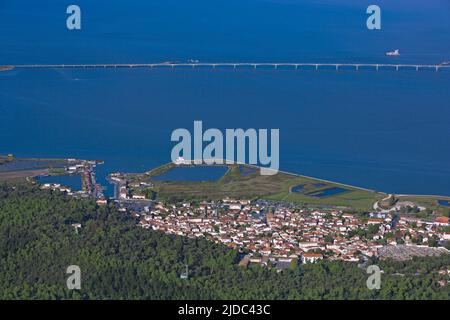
[[310, 257]]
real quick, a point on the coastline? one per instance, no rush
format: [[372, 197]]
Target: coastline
[[281, 191]]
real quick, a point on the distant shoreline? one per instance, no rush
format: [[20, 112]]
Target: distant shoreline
[[274, 190]]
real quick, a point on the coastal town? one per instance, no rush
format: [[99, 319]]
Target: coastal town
[[270, 232]]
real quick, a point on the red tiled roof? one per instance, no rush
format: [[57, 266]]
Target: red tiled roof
[[441, 219], [312, 255]]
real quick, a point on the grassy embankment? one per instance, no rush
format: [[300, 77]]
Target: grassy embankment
[[430, 202], [49, 166], [253, 185]]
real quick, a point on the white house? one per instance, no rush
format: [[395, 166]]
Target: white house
[[310, 257]]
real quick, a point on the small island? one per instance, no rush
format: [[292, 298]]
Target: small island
[[6, 68]]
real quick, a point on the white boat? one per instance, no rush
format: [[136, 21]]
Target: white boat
[[396, 52]]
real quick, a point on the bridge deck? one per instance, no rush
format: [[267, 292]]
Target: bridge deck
[[275, 65]]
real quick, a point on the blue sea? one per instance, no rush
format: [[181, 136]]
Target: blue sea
[[386, 130]]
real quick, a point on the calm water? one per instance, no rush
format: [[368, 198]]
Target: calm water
[[445, 203], [192, 173], [387, 131], [328, 192], [73, 181], [298, 188]]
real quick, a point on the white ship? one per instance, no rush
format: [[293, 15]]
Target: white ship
[[181, 160], [394, 53]]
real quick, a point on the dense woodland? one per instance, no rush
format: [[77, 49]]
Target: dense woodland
[[121, 261]]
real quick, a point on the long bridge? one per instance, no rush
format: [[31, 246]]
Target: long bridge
[[236, 65]]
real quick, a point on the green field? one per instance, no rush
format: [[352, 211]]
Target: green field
[[276, 187], [355, 198], [430, 202]]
